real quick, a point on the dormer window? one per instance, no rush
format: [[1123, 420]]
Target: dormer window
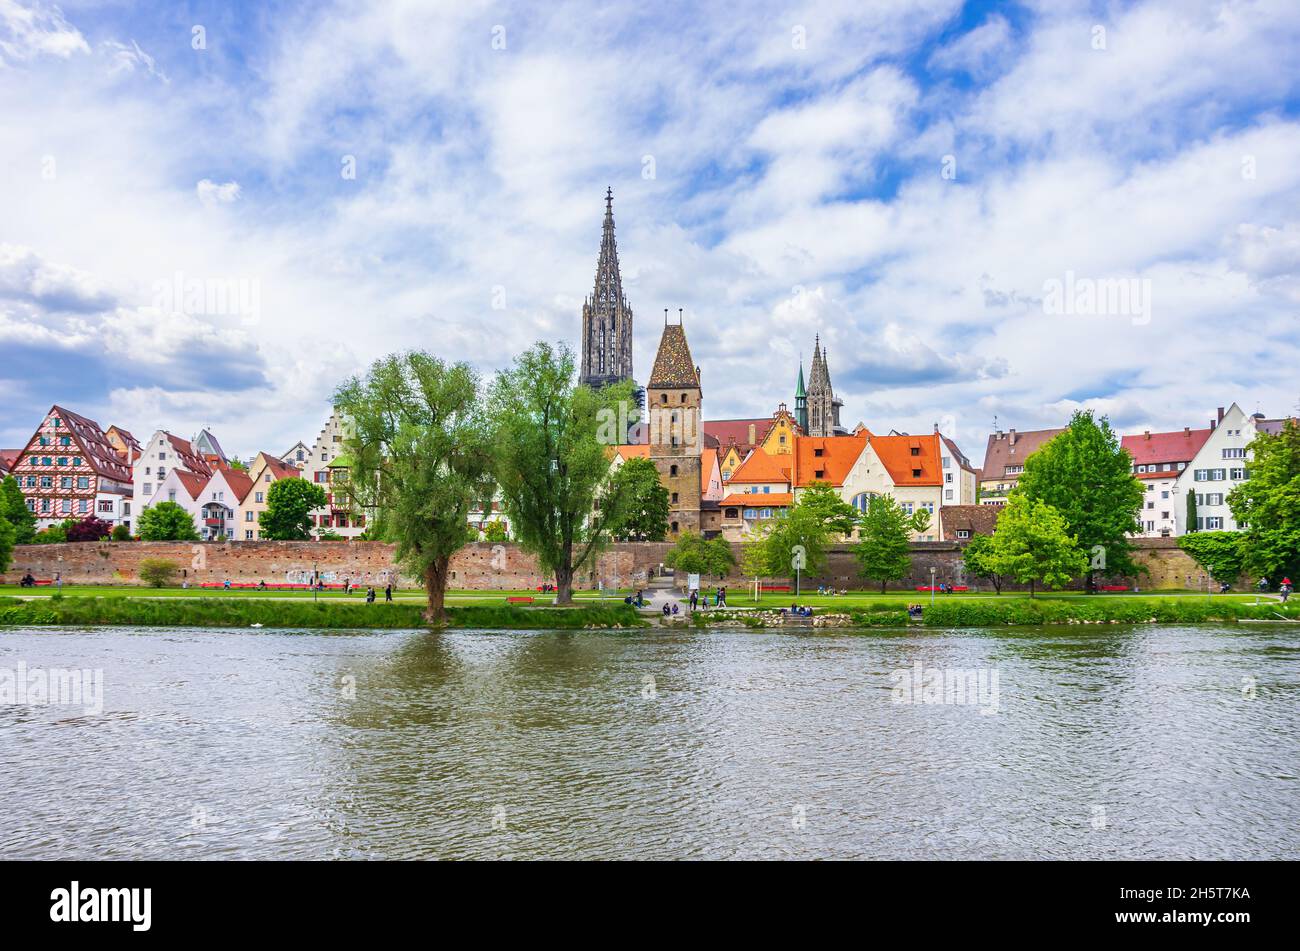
[[916, 450], [818, 453], [916, 473]]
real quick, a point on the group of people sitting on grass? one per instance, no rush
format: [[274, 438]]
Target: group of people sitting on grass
[[914, 611], [635, 599], [797, 610], [827, 589]]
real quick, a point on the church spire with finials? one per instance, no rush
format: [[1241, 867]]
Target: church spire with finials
[[606, 315], [823, 408]]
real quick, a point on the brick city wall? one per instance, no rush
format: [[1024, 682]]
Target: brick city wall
[[480, 565]]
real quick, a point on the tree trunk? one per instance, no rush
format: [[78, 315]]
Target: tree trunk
[[435, 588], [882, 586], [1031, 587], [564, 577]]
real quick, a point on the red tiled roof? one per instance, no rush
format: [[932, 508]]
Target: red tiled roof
[[192, 482], [1157, 448], [98, 451], [7, 459], [240, 482], [762, 500], [188, 457], [910, 460], [1011, 449], [825, 458], [976, 519], [725, 431]]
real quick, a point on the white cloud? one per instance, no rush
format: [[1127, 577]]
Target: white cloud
[[31, 30], [210, 193]]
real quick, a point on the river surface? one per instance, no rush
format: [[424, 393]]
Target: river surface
[[1147, 742]]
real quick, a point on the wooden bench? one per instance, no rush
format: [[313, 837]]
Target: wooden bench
[[1114, 587], [777, 587], [519, 599]]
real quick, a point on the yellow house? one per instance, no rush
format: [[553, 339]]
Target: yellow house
[[779, 440], [265, 470]]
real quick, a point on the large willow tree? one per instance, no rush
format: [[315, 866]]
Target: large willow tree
[[419, 459], [550, 440]]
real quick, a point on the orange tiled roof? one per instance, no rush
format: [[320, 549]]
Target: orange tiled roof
[[826, 458], [763, 500], [761, 467], [924, 467], [631, 452]]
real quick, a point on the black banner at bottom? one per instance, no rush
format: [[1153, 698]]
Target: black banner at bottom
[[1216, 900]]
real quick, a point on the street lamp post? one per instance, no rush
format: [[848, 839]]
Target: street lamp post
[[932, 570], [315, 579]]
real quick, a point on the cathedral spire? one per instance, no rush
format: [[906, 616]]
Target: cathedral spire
[[606, 315]]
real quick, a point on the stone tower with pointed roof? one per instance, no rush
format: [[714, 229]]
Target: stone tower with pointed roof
[[607, 316], [823, 408], [674, 404]]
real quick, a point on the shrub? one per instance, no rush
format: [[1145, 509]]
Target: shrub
[[121, 533], [157, 572]]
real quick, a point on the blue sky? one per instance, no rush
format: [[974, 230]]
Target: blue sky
[[904, 179]]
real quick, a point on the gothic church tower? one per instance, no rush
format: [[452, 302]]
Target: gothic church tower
[[606, 316], [823, 407]]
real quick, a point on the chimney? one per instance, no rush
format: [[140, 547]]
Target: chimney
[[1012, 436], [1146, 434], [1187, 432], [753, 434], [1212, 425], [1220, 414]]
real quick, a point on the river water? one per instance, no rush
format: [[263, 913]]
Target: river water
[[1150, 742]]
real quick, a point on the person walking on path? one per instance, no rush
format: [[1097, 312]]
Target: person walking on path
[[370, 595], [388, 593]]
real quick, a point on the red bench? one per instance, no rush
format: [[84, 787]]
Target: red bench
[[1114, 587], [777, 587], [935, 587], [517, 599]]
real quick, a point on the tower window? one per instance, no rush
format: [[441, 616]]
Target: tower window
[[663, 397], [683, 397], [674, 498], [674, 528], [672, 470]]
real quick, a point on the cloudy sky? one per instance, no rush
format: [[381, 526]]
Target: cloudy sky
[[905, 179]]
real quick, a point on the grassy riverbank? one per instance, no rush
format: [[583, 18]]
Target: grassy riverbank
[[239, 612], [994, 612]]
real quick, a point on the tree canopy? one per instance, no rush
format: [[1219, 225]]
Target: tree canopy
[[644, 513], [289, 503], [14, 510], [550, 463], [1032, 545], [694, 554], [1268, 504], [883, 550], [1086, 476], [167, 522], [1222, 555], [420, 459], [821, 499]]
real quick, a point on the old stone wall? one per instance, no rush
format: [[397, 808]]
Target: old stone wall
[[477, 566]]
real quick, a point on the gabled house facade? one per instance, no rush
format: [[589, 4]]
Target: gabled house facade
[[1220, 465], [69, 469], [265, 470], [1004, 461], [1159, 460], [160, 455]]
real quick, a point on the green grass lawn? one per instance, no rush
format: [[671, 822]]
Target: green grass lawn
[[454, 596]]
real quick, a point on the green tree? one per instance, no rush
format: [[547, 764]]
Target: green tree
[[1222, 555], [496, 531], [1086, 476], [694, 554], [1268, 504], [644, 513], [977, 556], [13, 509], [884, 532], [7, 535], [1191, 511], [167, 522], [420, 460], [550, 461], [157, 572], [1032, 545], [289, 503], [799, 536], [121, 533], [839, 516]]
